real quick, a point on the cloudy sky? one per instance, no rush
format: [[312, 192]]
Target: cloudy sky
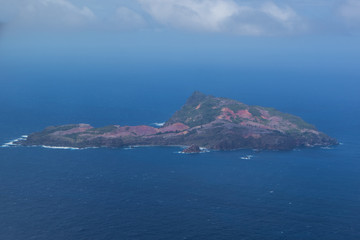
[[244, 34], [238, 17]]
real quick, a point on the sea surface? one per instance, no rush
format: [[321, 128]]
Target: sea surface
[[155, 193]]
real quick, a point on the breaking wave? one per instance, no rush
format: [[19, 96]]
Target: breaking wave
[[158, 124], [54, 147], [247, 157], [14, 143], [202, 150]]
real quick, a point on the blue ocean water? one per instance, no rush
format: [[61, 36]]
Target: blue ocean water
[[156, 193]]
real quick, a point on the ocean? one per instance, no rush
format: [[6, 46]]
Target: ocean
[[156, 193]]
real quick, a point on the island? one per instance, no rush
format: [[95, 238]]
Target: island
[[204, 121]]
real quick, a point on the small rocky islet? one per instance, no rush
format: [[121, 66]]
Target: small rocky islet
[[207, 121], [192, 149]]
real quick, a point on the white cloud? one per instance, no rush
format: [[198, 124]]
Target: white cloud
[[224, 16], [126, 18], [207, 15], [243, 17], [53, 13], [285, 16], [350, 11]]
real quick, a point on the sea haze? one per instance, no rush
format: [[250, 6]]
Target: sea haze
[[154, 192]]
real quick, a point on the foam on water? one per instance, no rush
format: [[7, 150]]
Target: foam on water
[[55, 147], [327, 148], [159, 124], [13, 143], [247, 157], [129, 148], [202, 150]]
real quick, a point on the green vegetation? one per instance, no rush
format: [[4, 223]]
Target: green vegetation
[[189, 115], [52, 129], [73, 136], [235, 107], [217, 124], [236, 120], [254, 110], [102, 130], [192, 132], [196, 98], [293, 131], [291, 118]]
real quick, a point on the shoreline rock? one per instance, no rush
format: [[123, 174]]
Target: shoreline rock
[[192, 149]]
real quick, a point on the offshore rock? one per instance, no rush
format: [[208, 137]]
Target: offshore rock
[[192, 149]]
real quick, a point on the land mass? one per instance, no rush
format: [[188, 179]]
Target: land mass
[[204, 120]]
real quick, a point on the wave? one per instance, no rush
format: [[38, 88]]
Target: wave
[[247, 157], [202, 150], [55, 147], [159, 124], [327, 148], [129, 148], [14, 142]]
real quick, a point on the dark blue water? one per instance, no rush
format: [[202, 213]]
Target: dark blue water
[[155, 193]]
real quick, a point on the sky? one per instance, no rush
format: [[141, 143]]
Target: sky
[[238, 17], [278, 34]]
